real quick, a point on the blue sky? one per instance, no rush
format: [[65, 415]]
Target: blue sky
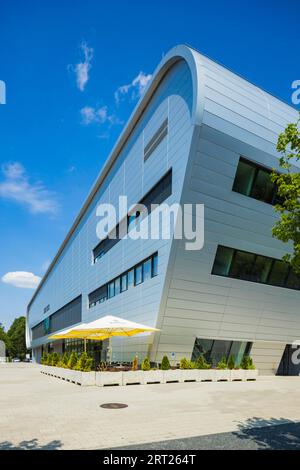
[[74, 71]]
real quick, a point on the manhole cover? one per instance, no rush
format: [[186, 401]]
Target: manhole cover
[[113, 406]]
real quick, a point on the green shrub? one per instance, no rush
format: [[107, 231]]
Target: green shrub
[[247, 363], [55, 359], [72, 360], [186, 364], [201, 363], [146, 364], [165, 363], [222, 364], [135, 364], [88, 364], [84, 363], [65, 359], [231, 362], [44, 359]]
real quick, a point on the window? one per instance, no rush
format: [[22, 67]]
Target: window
[[117, 286], [256, 268], [254, 181], [124, 283], [131, 278], [147, 269], [140, 273], [214, 350], [157, 195], [111, 289], [154, 265], [66, 316], [157, 138]]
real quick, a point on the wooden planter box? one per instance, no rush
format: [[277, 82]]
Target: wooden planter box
[[153, 376], [133, 377], [109, 378], [172, 375]]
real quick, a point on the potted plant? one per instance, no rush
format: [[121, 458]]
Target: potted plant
[[188, 371], [169, 375], [222, 372], [251, 372], [151, 375], [133, 376], [205, 372]]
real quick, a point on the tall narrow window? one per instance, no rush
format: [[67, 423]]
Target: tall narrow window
[[157, 138]]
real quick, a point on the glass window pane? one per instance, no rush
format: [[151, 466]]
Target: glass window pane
[[244, 178], [263, 188], [154, 265], [111, 290], [138, 275], [124, 284], [130, 276], [293, 280], [117, 286], [278, 273], [261, 269], [223, 261], [242, 264], [147, 269], [220, 349]]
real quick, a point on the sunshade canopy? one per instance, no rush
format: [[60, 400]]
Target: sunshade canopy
[[103, 328]]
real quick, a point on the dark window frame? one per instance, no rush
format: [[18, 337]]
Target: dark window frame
[[107, 243], [105, 286], [257, 167], [273, 261]]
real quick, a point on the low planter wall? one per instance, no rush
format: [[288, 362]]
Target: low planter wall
[[109, 378], [102, 379]]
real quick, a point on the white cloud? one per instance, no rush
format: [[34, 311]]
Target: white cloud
[[136, 88], [101, 115], [21, 279], [82, 68], [17, 187]]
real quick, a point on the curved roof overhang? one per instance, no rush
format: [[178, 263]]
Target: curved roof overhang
[[178, 53]]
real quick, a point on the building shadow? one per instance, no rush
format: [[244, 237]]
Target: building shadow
[[32, 444], [267, 434]]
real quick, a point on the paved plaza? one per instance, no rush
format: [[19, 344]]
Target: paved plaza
[[42, 412]]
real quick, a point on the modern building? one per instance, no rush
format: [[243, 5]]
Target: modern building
[[199, 134]]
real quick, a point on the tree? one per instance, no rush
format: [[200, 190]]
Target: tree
[[4, 338], [16, 337], [287, 228]]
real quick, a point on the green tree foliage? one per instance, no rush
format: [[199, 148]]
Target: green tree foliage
[[186, 364], [165, 363], [201, 363], [222, 364], [55, 359], [146, 364], [73, 360], [84, 363], [16, 337], [231, 362], [45, 359], [287, 228], [4, 338], [247, 363]]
